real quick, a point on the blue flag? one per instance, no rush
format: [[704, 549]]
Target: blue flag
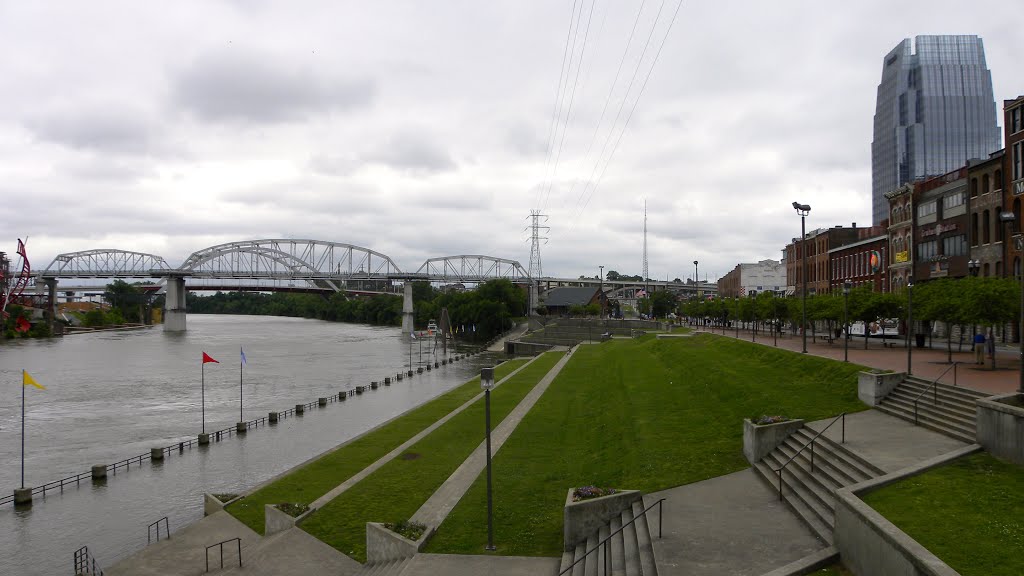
[[413, 334], [243, 355]]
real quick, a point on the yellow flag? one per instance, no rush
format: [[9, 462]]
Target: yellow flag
[[27, 380]]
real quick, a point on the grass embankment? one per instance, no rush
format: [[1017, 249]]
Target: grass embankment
[[315, 479], [642, 414], [969, 513], [400, 487]]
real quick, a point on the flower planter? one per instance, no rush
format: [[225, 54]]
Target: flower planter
[[275, 520], [759, 440], [872, 387], [583, 518], [383, 545], [212, 505]]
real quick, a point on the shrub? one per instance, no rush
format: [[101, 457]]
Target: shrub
[[407, 529]]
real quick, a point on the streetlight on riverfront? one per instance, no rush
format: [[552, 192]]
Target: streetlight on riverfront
[[803, 210], [846, 323], [1018, 244], [910, 321], [487, 382]]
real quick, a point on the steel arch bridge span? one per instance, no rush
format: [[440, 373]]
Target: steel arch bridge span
[[472, 268], [104, 263], [311, 260]]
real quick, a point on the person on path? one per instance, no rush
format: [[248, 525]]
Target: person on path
[[991, 345], [979, 348]]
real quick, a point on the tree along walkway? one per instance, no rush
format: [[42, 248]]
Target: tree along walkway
[[443, 500], [358, 477]]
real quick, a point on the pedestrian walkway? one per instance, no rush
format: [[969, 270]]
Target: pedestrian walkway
[[440, 504], [927, 363]]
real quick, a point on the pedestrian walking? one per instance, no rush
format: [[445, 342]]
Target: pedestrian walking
[[979, 348]]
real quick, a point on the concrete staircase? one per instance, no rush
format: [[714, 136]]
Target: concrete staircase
[[954, 415], [630, 552], [812, 493], [392, 568]]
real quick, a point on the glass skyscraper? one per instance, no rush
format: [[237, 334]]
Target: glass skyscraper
[[935, 110]]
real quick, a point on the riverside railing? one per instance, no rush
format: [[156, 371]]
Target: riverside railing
[[216, 436], [149, 530], [220, 545], [935, 389], [85, 563]]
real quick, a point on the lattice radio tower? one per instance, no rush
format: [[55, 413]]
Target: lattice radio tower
[[536, 271], [646, 275]]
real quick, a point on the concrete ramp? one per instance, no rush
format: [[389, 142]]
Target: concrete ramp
[[295, 552]]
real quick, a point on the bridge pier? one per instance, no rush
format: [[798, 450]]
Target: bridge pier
[[408, 324], [174, 309], [51, 302]]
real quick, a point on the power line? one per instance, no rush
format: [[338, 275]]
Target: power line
[[611, 92], [618, 113], [637, 101], [555, 113], [572, 96]]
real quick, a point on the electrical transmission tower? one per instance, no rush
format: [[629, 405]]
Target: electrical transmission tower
[[536, 271]]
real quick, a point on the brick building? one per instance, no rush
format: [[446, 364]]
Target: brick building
[[901, 235], [1013, 173], [985, 185], [941, 225], [817, 244], [864, 262]]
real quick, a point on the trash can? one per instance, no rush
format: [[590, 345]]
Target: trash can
[[919, 338]]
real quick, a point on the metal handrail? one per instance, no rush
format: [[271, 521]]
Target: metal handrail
[[604, 543], [149, 530], [934, 385], [221, 546], [811, 444], [85, 563]]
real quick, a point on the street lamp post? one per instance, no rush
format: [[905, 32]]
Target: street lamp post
[[910, 322], [803, 210], [696, 279], [736, 302], [600, 297], [775, 322], [846, 322], [487, 382], [1018, 244]]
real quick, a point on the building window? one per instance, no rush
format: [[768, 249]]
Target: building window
[[974, 187], [1018, 168], [926, 209], [999, 267], [986, 227], [955, 245], [953, 200], [927, 250], [1017, 119], [998, 180], [984, 270], [974, 229], [984, 184]]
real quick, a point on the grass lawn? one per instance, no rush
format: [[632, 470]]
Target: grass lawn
[[400, 487], [312, 481], [643, 414], [969, 513], [834, 570]]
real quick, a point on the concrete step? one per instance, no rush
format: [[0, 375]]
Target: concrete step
[[954, 417], [967, 393], [631, 549], [592, 563], [644, 541], [799, 483], [945, 404], [856, 460], [812, 520], [833, 471], [928, 422]]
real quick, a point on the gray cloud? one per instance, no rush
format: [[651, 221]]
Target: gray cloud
[[227, 86], [110, 127], [412, 150]]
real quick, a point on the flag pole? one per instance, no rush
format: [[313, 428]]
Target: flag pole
[[240, 364], [203, 388], [22, 428]]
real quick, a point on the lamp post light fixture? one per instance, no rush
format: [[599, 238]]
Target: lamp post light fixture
[[487, 382], [972, 267], [846, 322], [910, 322], [803, 210], [696, 279], [1018, 244]]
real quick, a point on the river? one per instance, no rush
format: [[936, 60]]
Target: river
[[113, 395]]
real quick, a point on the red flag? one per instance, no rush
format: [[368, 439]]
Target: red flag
[[22, 325], [206, 358]]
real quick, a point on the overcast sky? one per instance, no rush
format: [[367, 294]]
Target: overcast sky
[[425, 129]]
